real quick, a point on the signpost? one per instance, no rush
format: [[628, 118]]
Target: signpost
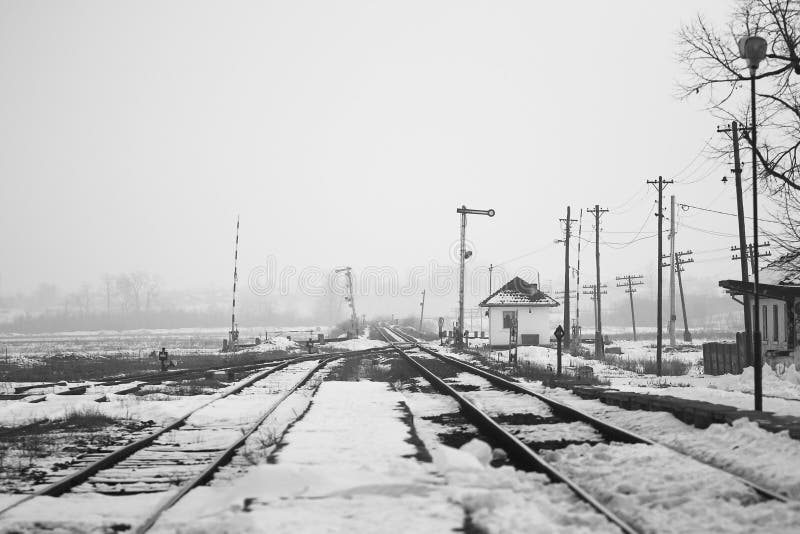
[[512, 340], [441, 331], [559, 333]]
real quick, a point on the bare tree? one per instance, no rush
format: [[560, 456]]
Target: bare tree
[[83, 298], [150, 291], [124, 289], [715, 72], [108, 284], [138, 284]]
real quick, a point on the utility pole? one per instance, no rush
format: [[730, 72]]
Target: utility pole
[[593, 291], [737, 170], [630, 280], [233, 335], [421, 311], [661, 184], [679, 262], [464, 211], [348, 272], [490, 293], [567, 229], [599, 347], [577, 334], [672, 316]]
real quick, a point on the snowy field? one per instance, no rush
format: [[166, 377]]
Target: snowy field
[[136, 343]]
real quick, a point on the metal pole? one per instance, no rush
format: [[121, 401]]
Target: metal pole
[[566, 280], [421, 311], [578, 284], [672, 316], [756, 299], [489, 310], [459, 337], [737, 170]]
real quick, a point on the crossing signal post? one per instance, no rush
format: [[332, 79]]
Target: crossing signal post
[[628, 281], [464, 211]]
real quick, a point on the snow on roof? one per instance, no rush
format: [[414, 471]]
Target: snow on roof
[[518, 292], [785, 271]]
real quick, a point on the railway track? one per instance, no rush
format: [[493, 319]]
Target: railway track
[[537, 428], [187, 452]]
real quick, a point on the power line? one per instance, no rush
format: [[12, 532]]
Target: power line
[[641, 191], [525, 255], [705, 176], [710, 232], [689, 206], [699, 153], [636, 237]]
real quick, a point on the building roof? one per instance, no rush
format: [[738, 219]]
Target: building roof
[[518, 292], [780, 279]]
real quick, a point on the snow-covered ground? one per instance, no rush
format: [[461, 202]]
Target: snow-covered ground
[[29, 348], [347, 466], [782, 392]]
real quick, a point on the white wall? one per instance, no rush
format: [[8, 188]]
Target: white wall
[[535, 322], [768, 342]]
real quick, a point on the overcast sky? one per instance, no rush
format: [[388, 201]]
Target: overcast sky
[[343, 133]]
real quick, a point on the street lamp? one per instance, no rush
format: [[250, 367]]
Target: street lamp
[[754, 50], [464, 211]]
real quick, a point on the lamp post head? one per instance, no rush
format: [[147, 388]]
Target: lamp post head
[[753, 49]]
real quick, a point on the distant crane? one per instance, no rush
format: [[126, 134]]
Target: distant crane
[[349, 298]]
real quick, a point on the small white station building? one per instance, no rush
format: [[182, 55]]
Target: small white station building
[[524, 303]]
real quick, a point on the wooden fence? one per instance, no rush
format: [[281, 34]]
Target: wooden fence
[[724, 358]]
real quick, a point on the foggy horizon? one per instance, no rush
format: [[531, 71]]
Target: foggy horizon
[[347, 135]]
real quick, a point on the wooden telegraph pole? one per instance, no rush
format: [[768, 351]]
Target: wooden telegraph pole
[[737, 171], [679, 262], [599, 347], [567, 232], [630, 280], [660, 185]]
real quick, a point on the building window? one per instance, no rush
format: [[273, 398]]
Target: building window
[[764, 323], [775, 323], [508, 319]]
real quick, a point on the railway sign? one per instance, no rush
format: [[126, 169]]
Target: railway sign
[[559, 333]]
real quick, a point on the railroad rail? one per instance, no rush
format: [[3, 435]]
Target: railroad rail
[[219, 457], [526, 456]]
